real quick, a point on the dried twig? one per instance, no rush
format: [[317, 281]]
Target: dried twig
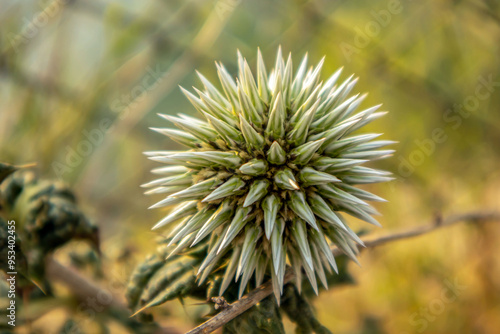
[[261, 292]]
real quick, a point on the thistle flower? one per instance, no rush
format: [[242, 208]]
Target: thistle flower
[[269, 172]]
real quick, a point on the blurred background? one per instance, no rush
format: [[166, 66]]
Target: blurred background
[[81, 82]]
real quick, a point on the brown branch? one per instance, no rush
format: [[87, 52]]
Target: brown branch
[[261, 292]]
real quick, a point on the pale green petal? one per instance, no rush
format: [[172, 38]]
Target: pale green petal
[[299, 205], [228, 85]]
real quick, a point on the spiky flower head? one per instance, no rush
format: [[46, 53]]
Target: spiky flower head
[[269, 172]]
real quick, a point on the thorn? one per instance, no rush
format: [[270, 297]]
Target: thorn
[[139, 311], [293, 184]]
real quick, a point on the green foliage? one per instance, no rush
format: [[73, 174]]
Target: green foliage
[[46, 212], [42, 216], [159, 279]]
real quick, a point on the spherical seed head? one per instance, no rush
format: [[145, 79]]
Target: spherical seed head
[[269, 172]]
